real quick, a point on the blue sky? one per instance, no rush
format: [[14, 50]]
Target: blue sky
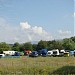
[[34, 20]]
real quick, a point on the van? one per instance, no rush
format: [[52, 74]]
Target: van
[[43, 52], [49, 53]]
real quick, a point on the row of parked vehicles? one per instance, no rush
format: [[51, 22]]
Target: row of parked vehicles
[[54, 53], [9, 54], [43, 52]]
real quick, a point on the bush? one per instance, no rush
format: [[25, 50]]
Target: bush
[[65, 70]]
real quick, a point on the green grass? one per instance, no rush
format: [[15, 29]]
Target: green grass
[[37, 66]]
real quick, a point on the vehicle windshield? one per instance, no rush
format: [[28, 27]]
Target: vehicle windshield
[[34, 52], [49, 52]]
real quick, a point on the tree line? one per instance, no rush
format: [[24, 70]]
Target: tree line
[[67, 44]]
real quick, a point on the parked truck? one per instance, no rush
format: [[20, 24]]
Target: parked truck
[[42, 52]]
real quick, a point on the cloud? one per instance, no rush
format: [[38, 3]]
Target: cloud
[[36, 29], [64, 34], [35, 32], [25, 32], [74, 14], [21, 33], [67, 32], [25, 25]]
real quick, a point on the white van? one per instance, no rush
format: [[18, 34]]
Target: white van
[[49, 53]]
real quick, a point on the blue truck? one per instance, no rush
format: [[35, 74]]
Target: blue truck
[[42, 52]]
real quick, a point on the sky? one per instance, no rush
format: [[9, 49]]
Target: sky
[[34, 20]]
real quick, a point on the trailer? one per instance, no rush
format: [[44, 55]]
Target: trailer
[[55, 52], [7, 53], [58, 53]]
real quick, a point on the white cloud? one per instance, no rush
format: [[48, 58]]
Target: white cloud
[[74, 14], [64, 34], [26, 32], [38, 30], [22, 33], [25, 25], [67, 32]]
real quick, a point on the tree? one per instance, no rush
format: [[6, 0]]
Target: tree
[[73, 39], [50, 45], [27, 46], [4, 47], [41, 45], [55, 44], [58, 45], [34, 47], [16, 44], [16, 47], [68, 44]]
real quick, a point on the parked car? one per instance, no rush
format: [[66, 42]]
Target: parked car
[[27, 52], [74, 53], [2, 55], [33, 54], [66, 54], [17, 54], [71, 52]]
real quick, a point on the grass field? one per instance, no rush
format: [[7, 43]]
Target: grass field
[[37, 66]]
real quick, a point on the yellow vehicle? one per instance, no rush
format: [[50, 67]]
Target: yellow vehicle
[[66, 54]]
